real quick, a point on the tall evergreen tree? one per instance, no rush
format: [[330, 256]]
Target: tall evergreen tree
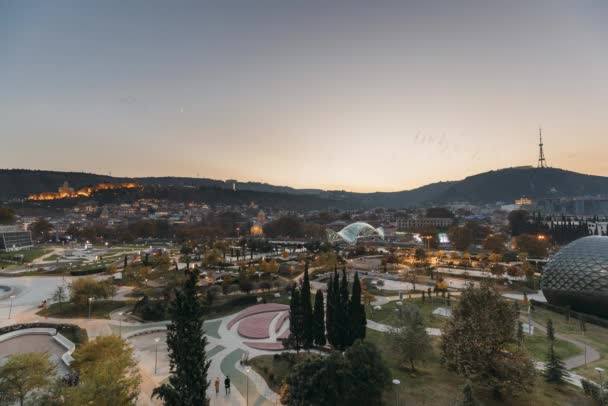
[[356, 313], [296, 325], [318, 320], [343, 330], [186, 342], [306, 305], [554, 368], [467, 396], [330, 318]]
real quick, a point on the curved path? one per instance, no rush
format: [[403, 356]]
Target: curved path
[[577, 360]]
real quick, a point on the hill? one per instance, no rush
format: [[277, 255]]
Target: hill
[[509, 184], [504, 185]]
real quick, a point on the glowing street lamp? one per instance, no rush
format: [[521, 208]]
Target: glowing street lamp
[[120, 324], [10, 311], [90, 301], [247, 369], [156, 340], [396, 382]]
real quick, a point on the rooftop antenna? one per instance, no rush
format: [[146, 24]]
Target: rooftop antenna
[[542, 162]]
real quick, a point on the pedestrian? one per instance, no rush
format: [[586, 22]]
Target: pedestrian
[[227, 384], [217, 386]]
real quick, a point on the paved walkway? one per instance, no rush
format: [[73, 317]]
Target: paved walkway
[[577, 360]]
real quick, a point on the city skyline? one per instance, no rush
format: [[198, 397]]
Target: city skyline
[[359, 97]]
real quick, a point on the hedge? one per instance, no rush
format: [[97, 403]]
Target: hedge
[[91, 271]]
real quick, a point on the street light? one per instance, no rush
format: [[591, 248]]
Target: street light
[[156, 340], [601, 371], [120, 324], [10, 311], [90, 301], [396, 382], [247, 369]]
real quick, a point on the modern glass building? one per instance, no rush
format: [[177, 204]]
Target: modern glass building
[[352, 232], [13, 239], [577, 276]]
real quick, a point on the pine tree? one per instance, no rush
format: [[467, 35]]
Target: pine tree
[[550, 331], [306, 305], [319, 320], [554, 368], [296, 325], [467, 396], [186, 342], [356, 313]]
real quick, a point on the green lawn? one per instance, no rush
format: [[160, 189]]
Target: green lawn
[[389, 311], [28, 255], [99, 309], [538, 346], [432, 384], [76, 335]]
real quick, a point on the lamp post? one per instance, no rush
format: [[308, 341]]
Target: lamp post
[[10, 311], [247, 369], [90, 301], [120, 324], [396, 382], [156, 340], [600, 371]]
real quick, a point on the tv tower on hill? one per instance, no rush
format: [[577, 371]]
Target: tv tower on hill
[[542, 162]]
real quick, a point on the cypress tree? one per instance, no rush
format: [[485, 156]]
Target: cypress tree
[[330, 320], [343, 328], [296, 326], [319, 320], [337, 312], [306, 305], [356, 313], [186, 342]]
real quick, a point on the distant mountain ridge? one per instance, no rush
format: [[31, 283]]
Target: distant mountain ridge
[[504, 185]]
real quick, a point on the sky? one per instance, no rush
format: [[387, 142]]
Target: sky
[[354, 95]]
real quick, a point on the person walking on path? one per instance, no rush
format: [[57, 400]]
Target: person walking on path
[[217, 386], [227, 384]]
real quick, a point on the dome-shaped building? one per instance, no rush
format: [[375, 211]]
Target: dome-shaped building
[[577, 276]]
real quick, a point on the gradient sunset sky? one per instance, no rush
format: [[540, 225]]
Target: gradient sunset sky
[[355, 95]]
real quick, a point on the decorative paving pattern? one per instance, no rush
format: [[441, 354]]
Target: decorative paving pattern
[[284, 316], [261, 308], [256, 326]]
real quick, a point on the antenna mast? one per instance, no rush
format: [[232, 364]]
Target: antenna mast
[[542, 162]]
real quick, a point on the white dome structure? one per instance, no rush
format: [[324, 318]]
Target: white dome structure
[[352, 232]]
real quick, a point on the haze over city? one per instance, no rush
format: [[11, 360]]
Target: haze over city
[[361, 96]]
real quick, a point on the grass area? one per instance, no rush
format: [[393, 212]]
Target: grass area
[[388, 312], [28, 255], [274, 369], [99, 309], [432, 384], [538, 346], [76, 335], [595, 337]]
